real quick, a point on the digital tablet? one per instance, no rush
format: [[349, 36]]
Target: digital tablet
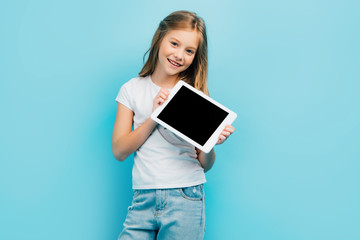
[[193, 116]]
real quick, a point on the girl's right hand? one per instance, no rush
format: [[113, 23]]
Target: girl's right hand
[[160, 98]]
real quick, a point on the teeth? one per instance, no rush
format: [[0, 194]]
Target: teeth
[[178, 65]]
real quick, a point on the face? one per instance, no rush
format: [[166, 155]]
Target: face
[[177, 51]]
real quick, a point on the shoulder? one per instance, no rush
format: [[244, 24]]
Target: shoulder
[[136, 82], [131, 89]]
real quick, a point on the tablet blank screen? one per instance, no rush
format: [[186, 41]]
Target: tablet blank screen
[[192, 115]]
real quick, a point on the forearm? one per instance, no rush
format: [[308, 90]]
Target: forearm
[[126, 144], [206, 159]]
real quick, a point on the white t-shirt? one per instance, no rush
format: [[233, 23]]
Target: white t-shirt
[[164, 160]]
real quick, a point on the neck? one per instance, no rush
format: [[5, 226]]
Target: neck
[[163, 80]]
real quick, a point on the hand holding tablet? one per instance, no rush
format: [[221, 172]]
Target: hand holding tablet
[[225, 134], [160, 98], [194, 116]]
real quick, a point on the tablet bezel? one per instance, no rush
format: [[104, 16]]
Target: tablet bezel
[[210, 143]]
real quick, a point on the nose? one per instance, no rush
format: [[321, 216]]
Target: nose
[[178, 55]]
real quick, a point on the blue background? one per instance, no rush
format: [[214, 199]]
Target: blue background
[[290, 69]]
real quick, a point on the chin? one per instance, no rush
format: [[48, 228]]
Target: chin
[[172, 73]]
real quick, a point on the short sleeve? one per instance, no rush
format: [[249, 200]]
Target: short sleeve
[[124, 96]]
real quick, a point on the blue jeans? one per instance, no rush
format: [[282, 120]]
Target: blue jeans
[[177, 213]]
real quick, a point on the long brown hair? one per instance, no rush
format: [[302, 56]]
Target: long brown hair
[[196, 73]]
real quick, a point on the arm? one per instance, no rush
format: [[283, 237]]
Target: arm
[[125, 141], [207, 160]]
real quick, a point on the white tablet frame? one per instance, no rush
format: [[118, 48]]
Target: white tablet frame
[[210, 143]]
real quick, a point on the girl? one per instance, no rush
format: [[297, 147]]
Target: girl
[[168, 173]]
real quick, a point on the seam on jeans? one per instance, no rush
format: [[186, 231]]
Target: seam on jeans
[[189, 198], [159, 213], [136, 193], [204, 213]]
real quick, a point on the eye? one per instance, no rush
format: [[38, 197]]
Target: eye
[[190, 51], [174, 44]]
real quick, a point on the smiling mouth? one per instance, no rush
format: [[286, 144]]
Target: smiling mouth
[[174, 63]]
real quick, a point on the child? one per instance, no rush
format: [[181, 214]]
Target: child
[[168, 173]]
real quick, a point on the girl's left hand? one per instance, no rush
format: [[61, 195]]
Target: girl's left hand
[[225, 134]]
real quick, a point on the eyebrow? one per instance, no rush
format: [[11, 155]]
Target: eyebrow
[[180, 41]]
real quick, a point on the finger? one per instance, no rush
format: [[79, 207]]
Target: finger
[[229, 128], [165, 91], [162, 92], [161, 100], [163, 96], [221, 139], [158, 99], [226, 133]]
